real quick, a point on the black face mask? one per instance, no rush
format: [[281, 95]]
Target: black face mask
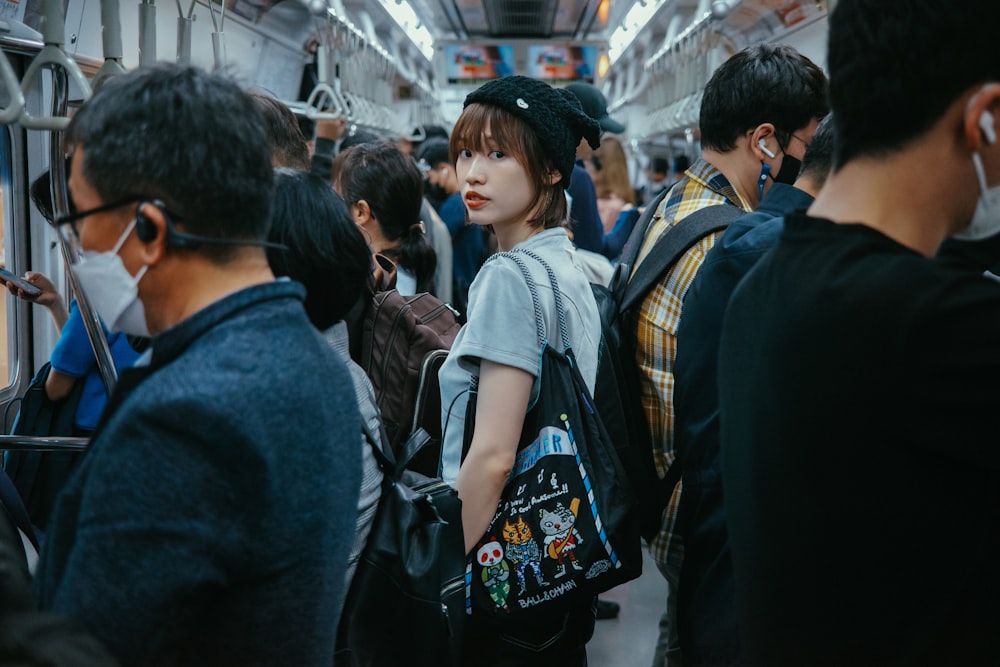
[[789, 172]]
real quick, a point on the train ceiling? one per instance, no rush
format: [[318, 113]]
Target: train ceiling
[[572, 19]]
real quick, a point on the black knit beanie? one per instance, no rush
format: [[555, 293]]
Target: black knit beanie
[[554, 114]]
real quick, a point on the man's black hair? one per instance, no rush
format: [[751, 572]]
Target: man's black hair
[[659, 165], [390, 182], [818, 159], [326, 251], [766, 83], [356, 139], [190, 138], [307, 126], [897, 65], [288, 145], [434, 152]]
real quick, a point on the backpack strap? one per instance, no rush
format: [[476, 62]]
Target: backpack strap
[[418, 439], [671, 246], [630, 252]]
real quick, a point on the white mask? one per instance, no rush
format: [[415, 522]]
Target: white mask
[[112, 290], [986, 220]]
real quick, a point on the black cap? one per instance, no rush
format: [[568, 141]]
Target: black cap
[[595, 105], [555, 115], [432, 153]]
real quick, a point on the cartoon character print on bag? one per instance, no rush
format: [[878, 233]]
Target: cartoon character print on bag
[[547, 524], [496, 572], [523, 551], [561, 537]]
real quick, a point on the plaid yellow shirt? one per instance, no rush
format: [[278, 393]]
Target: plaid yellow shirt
[[702, 186]]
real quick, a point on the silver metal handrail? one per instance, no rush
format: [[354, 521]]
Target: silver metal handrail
[[147, 32], [218, 36], [60, 206], [34, 443], [16, 104], [53, 57], [184, 26], [111, 36]]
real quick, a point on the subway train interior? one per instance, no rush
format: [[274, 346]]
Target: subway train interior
[[390, 67]]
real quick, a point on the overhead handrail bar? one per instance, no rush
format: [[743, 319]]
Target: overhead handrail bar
[[52, 56], [111, 37], [147, 32], [34, 443], [218, 37], [16, 103], [184, 26], [60, 206]]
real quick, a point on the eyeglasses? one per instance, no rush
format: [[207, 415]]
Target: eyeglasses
[[74, 217]]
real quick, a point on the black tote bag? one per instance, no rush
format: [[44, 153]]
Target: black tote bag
[[565, 528]]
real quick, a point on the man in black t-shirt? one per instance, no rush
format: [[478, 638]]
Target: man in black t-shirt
[[857, 375]]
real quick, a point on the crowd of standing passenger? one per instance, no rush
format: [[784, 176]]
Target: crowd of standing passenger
[[820, 368]]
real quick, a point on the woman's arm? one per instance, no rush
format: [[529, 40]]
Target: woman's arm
[[504, 392], [49, 297], [58, 385]]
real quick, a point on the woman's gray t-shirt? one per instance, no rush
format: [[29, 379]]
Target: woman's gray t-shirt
[[501, 329]]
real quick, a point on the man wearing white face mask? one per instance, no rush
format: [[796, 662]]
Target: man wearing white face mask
[[198, 529], [857, 374]]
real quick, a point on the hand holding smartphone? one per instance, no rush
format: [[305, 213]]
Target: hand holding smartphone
[[20, 283]]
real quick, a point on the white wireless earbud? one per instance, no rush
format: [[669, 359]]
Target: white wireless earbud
[[986, 124], [763, 146]]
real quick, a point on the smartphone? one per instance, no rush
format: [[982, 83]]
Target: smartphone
[[23, 284]]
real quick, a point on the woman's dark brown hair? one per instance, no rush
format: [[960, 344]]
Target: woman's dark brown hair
[[393, 187], [516, 138]]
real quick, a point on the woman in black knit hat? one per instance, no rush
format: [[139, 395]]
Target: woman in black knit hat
[[513, 148]]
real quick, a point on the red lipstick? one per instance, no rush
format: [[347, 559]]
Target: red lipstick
[[474, 200]]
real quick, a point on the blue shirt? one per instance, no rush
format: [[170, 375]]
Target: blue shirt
[[467, 243], [588, 230], [74, 356]]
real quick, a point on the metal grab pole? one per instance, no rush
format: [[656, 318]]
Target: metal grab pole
[[60, 206], [219, 49], [218, 36], [147, 33], [111, 30], [111, 35], [25, 443], [185, 24]]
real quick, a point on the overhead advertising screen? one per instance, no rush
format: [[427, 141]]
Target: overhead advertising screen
[[474, 64], [562, 62]]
